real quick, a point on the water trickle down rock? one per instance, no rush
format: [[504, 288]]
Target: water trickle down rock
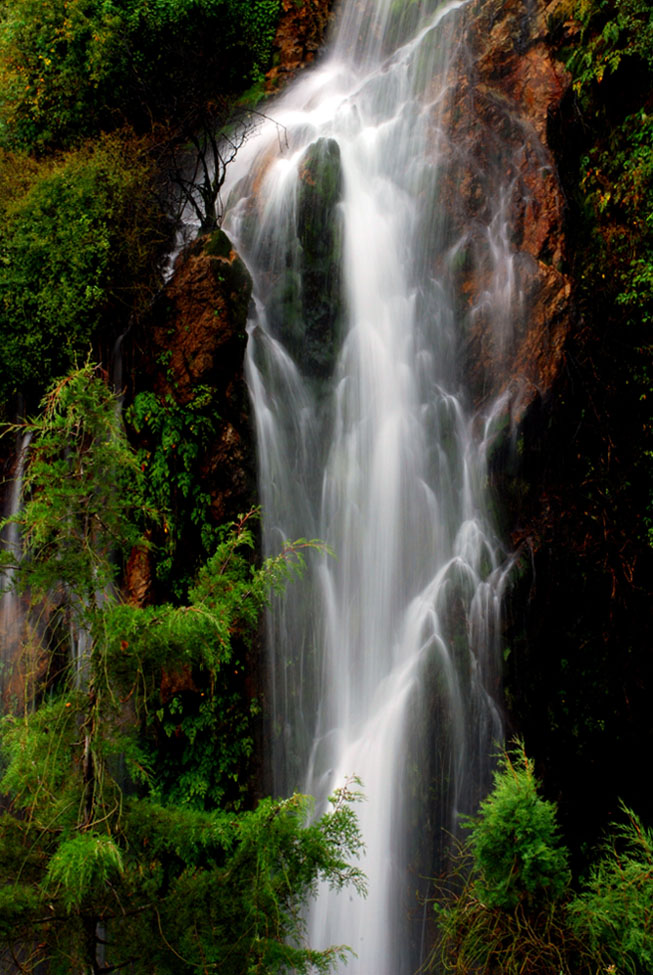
[[305, 296], [500, 116]]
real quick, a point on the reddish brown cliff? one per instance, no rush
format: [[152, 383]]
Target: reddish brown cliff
[[191, 355], [299, 36], [500, 117]]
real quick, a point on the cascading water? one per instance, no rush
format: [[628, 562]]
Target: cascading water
[[11, 608], [385, 666]]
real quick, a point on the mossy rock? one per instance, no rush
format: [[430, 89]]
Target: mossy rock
[[218, 245], [319, 232]]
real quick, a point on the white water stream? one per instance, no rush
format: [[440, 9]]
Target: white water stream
[[11, 605], [384, 662]]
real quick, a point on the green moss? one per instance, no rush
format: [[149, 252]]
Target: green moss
[[320, 238], [218, 245]]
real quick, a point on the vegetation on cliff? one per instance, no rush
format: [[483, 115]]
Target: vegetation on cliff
[[125, 836], [99, 104], [510, 907], [579, 667], [70, 68], [129, 834]]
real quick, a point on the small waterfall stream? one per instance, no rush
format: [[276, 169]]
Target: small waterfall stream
[[384, 663], [11, 604]]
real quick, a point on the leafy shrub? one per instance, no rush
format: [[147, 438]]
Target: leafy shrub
[[612, 32], [502, 908], [508, 908], [514, 840], [68, 67], [614, 913], [81, 238], [114, 850], [173, 439]]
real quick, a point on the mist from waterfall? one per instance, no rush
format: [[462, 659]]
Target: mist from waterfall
[[384, 662]]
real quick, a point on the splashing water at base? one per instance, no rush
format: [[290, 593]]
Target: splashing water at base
[[384, 663]]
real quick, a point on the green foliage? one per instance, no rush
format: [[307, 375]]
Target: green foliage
[[612, 67], [612, 31], [37, 753], [120, 843], [79, 252], [75, 520], [190, 771], [507, 906], [501, 908], [172, 439], [229, 890], [81, 866], [614, 913], [514, 841], [68, 67]]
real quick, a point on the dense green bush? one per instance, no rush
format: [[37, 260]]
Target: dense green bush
[[172, 438], [508, 906], [114, 851], [83, 230], [81, 238], [612, 32], [517, 852], [68, 67], [613, 915]]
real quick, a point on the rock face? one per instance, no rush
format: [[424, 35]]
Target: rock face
[[500, 117], [577, 618], [198, 324], [300, 33], [305, 299], [193, 344]]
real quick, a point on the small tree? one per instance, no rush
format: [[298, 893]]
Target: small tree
[[518, 857], [508, 908], [501, 909], [107, 864], [613, 915], [197, 159]]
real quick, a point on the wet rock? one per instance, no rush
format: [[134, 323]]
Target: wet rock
[[320, 236], [194, 343], [198, 324], [305, 294], [500, 116], [302, 27]]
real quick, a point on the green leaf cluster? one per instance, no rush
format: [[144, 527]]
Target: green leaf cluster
[[613, 915], [75, 523], [69, 67], [508, 906], [82, 235], [517, 851], [612, 68], [172, 438], [125, 839], [611, 31]]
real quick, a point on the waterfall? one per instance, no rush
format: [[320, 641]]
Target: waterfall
[[384, 663], [11, 604]]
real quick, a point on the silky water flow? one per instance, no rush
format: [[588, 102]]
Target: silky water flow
[[383, 660]]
